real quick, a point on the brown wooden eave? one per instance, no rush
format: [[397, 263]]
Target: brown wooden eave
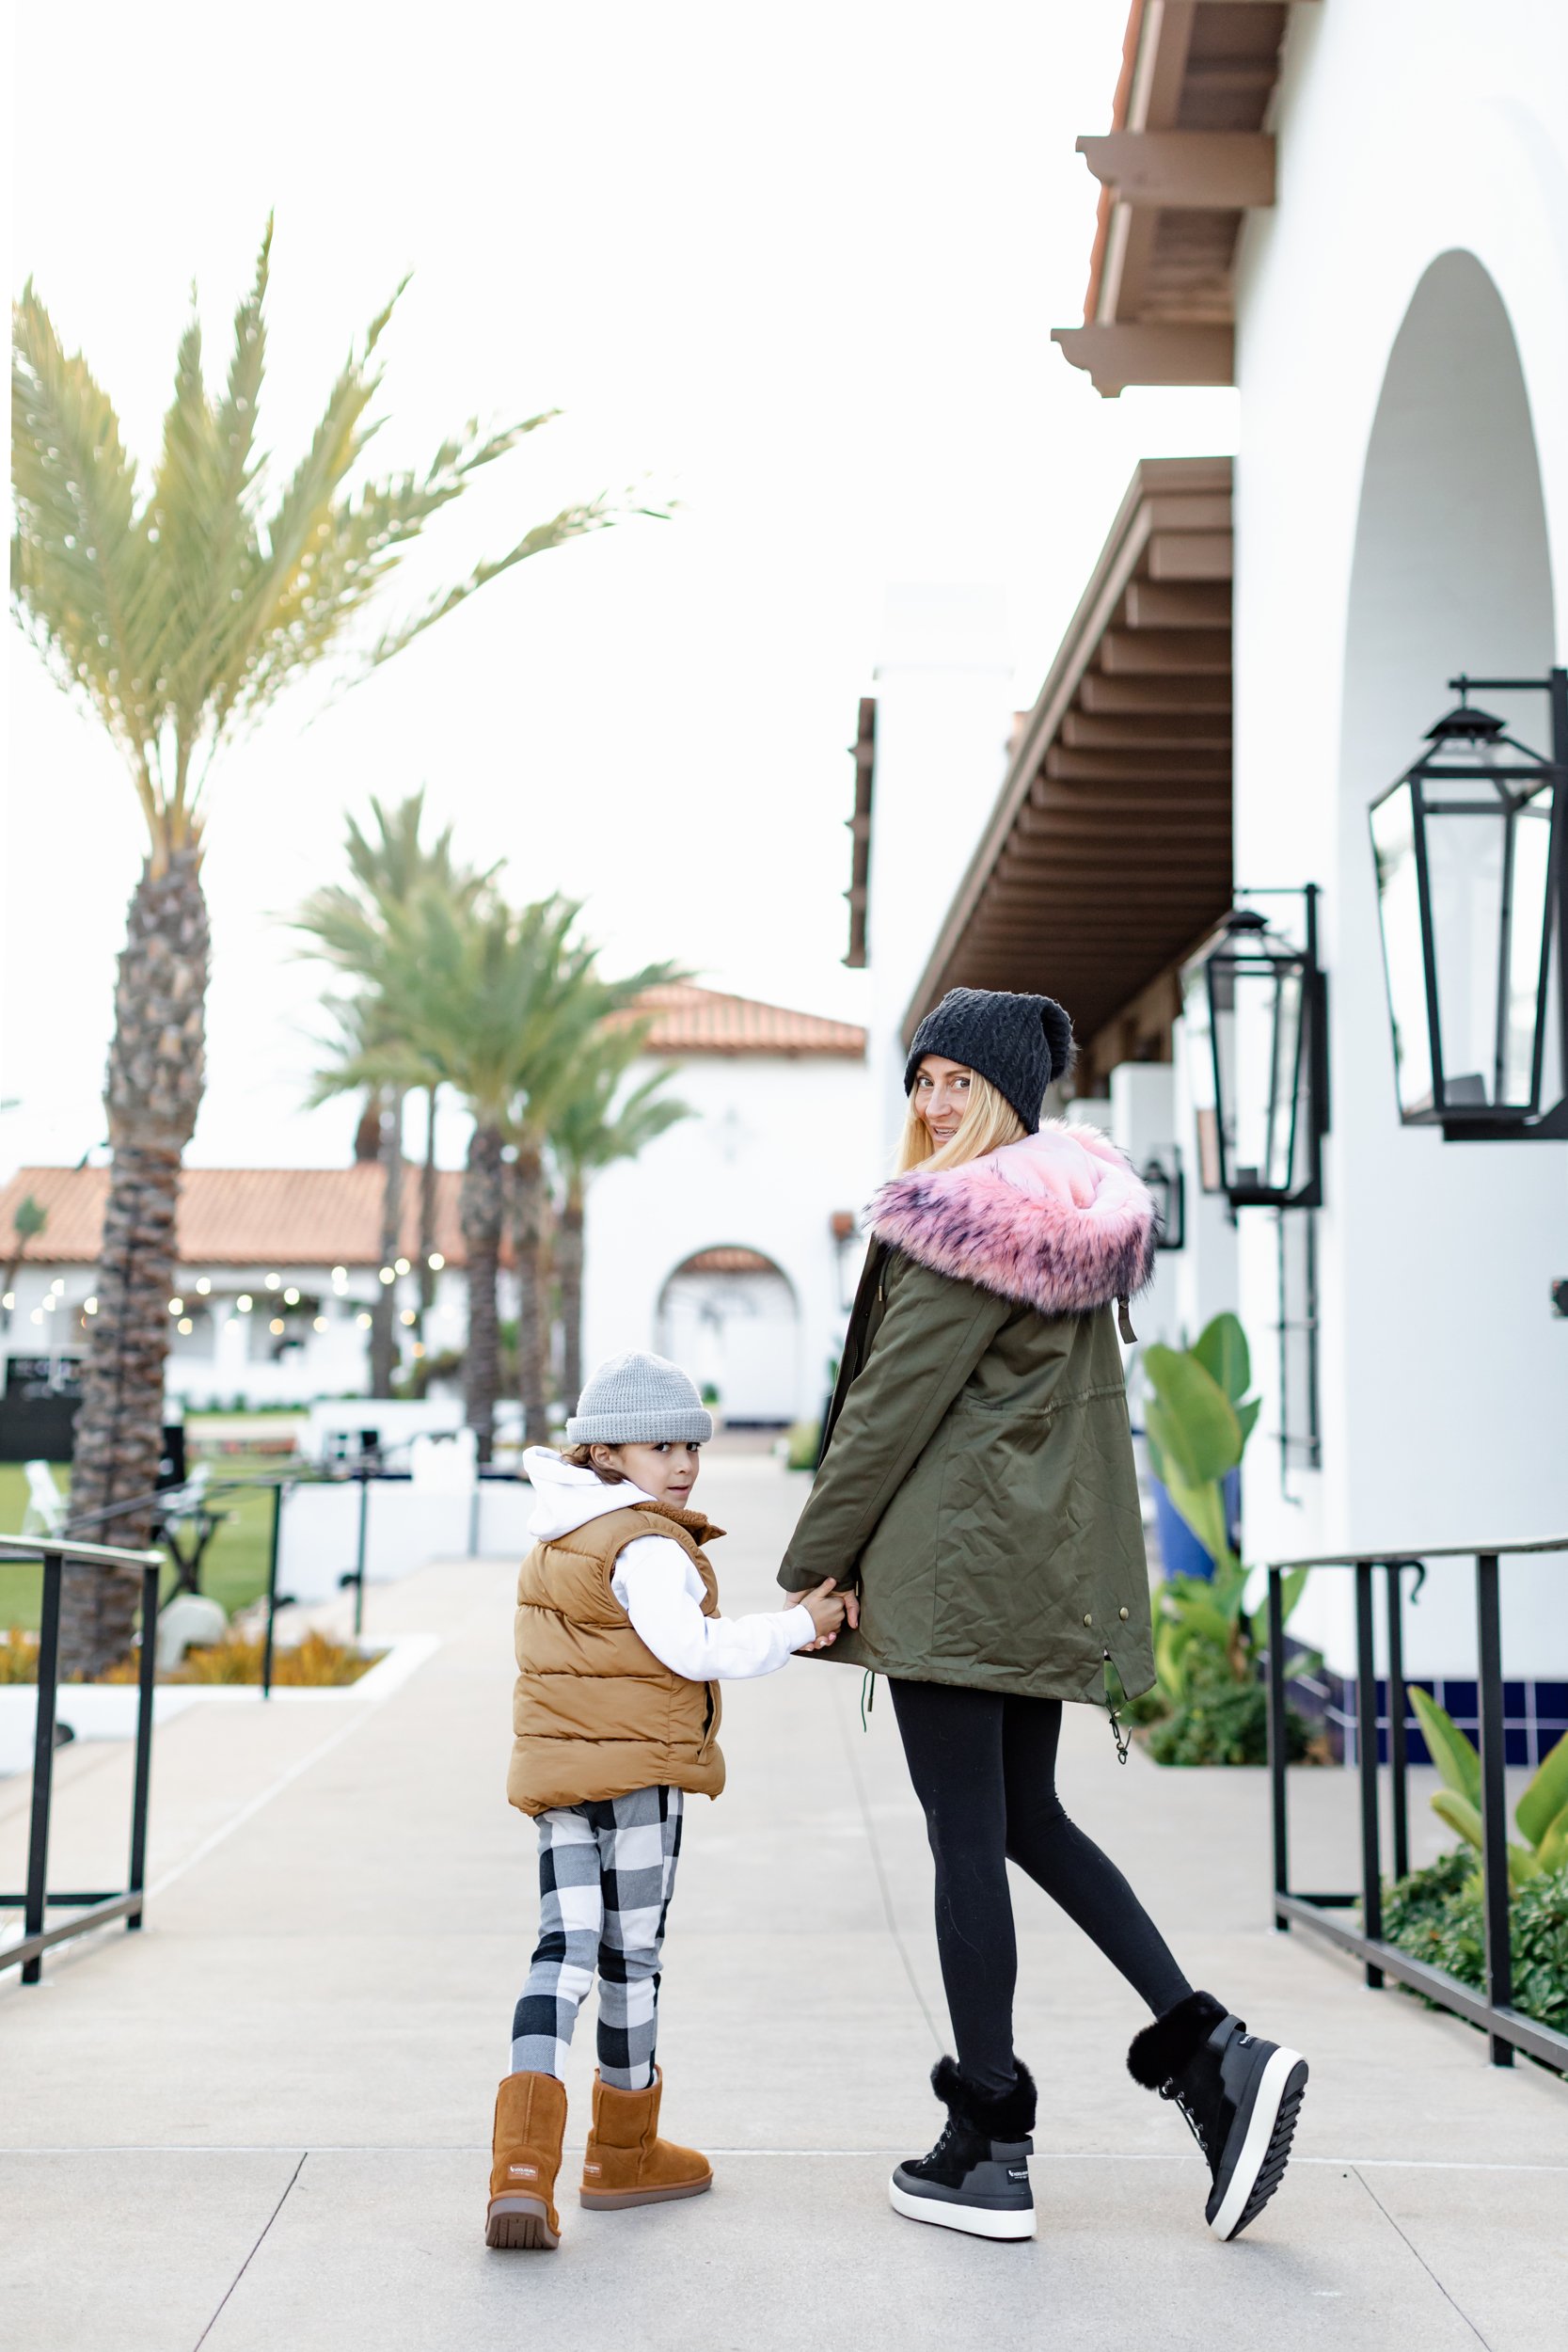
[[1108, 855]]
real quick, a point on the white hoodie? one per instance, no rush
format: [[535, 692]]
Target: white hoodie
[[657, 1586]]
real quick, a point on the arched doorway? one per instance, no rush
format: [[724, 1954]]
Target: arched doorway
[[730, 1315]]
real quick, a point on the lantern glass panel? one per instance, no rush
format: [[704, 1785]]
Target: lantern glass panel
[[1259, 1011], [1487, 858], [1403, 958], [1198, 1032]]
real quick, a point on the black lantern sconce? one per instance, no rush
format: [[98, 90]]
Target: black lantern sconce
[[1469, 852], [1162, 1174], [1258, 1037]]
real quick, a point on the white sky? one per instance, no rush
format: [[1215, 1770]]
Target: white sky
[[798, 266]]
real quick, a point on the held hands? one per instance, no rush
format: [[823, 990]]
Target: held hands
[[827, 1608]]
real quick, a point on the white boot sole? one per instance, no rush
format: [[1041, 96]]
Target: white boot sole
[[973, 2220], [1260, 2143]]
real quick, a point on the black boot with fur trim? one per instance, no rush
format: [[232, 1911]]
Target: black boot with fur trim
[[976, 2177], [1241, 2096]]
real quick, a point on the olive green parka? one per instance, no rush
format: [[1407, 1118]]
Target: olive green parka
[[977, 1481]]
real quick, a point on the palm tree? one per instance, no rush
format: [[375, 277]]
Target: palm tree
[[592, 1128], [176, 614], [346, 924]]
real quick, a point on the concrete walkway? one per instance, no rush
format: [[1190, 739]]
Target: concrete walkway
[[261, 2124]]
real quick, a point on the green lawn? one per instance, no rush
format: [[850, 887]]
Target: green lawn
[[233, 1572]]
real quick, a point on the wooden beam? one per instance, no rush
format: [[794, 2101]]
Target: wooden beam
[[1102, 810], [1098, 692], [1137, 767], [1114, 357], [1178, 603], [1146, 652], [1125, 730], [1190, 555], [1184, 171]]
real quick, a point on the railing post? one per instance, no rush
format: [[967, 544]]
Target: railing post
[[1493, 1807], [1397, 1703], [1279, 1742], [43, 1763], [359, 1556], [267, 1639], [146, 1679], [1366, 1758]]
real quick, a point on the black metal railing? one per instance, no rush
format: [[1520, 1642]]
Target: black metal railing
[[1507, 2028], [94, 1909]]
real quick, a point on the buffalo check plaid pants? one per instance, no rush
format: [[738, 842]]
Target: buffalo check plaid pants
[[606, 1871]]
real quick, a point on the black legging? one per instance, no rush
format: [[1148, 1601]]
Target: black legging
[[984, 1768]]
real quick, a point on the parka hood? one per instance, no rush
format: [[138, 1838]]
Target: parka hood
[[1057, 1221]]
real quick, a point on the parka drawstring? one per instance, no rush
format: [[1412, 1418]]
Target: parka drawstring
[[868, 1695], [1124, 1324]]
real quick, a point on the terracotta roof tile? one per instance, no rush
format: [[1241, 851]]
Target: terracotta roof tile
[[268, 1217], [689, 1020]]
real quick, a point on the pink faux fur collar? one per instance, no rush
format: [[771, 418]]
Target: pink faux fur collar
[[1056, 1220]]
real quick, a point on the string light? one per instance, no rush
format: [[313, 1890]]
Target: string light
[[408, 1315], [364, 1322], [275, 1282], [244, 1304], [388, 1274], [291, 1298], [436, 1262], [89, 1306], [177, 1306], [275, 1327], [403, 1266], [320, 1324], [184, 1326], [204, 1287]]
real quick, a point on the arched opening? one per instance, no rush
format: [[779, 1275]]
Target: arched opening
[[730, 1315], [1450, 572]]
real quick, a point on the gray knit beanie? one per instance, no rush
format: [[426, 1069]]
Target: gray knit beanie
[[640, 1400], [1018, 1043]]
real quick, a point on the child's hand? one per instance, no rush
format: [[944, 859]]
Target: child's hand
[[825, 1608]]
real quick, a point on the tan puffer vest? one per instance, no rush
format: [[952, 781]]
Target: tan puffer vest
[[594, 1712]]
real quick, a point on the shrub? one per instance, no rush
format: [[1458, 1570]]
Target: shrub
[[18, 1656], [317, 1663], [1435, 1914], [804, 1438], [1221, 1721]]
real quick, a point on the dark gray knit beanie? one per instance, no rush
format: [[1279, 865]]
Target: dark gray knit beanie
[[1018, 1043]]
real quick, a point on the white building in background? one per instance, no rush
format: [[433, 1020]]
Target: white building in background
[[732, 1242], [1359, 215]]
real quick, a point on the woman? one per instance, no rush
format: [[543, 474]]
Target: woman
[[977, 1502]]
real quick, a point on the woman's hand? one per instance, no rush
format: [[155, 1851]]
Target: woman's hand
[[825, 1608], [851, 1600]]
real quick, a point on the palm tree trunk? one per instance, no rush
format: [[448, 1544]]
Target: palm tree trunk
[[483, 1209], [384, 1342], [533, 1324], [569, 1260], [152, 1094]]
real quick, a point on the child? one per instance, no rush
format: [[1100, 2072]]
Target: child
[[621, 1648]]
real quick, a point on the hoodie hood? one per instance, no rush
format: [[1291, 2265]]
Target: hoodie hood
[[566, 1497], [1057, 1221]]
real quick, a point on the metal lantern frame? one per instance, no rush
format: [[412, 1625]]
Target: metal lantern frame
[[1168, 1184], [1511, 781], [1248, 946]]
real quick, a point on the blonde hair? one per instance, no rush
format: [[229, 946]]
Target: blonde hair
[[988, 1123]]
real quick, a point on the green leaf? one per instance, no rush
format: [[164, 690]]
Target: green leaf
[[1551, 1847], [1203, 1509], [1197, 1431], [1453, 1753], [1546, 1796], [1221, 1349], [1458, 1812], [1246, 1416]]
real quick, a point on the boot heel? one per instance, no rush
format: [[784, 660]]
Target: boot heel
[[520, 2223]]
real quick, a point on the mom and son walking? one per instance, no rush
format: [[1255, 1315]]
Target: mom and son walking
[[974, 1535]]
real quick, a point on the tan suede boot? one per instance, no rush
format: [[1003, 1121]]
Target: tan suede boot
[[626, 2163], [531, 2122]]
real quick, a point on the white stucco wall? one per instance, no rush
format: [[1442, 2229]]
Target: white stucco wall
[[777, 1147], [1445, 1377]]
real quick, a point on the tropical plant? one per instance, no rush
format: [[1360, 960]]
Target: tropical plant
[[594, 1125], [29, 1220], [1540, 1814], [1209, 1647], [492, 1002], [346, 924], [1198, 1421], [175, 613]]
